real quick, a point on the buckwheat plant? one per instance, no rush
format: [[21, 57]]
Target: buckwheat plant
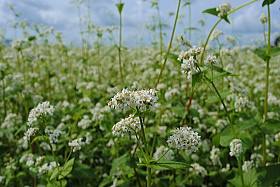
[[39, 131], [139, 102]]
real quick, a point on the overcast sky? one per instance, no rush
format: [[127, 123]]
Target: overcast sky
[[63, 16]]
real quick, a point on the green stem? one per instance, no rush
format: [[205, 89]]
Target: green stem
[[120, 47], [266, 82], [170, 44], [160, 33], [241, 173], [56, 161], [208, 37], [149, 174], [225, 108], [163, 155], [4, 98]]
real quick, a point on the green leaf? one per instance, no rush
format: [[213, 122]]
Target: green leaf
[[226, 19], [172, 57], [67, 168], [223, 74], [54, 174], [275, 51], [167, 165], [226, 135], [180, 111], [212, 11], [40, 138], [31, 38], [55, 183], [120, 7], [247, 141], [270, 126], [250, 178], [154, 3], [118, 162], [197, 78], [215, 98], [187, 3], [262, 54], [193, 112], [192, 28], [267, 2], [270, 174]]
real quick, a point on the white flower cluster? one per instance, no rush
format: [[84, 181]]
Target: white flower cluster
[[45, 168], [189, 66], [215, 35], [40, 109], [39, 160], [76, 144], [247, 165], [226, 169], [224, 9], [198, 169], [30, 132], [194, 51], [241, 103], [8, 122], [130, 124], [85, 122], [171, 93], [210, 60], [231, 39], [28, 158], [184, 138], [98, 113], [188, 58], [215, 156], [263, 18], [161, 150], [53, 135], [88, 138], [235, 147], [140, 99]]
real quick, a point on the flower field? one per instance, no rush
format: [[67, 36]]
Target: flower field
[[171, 114]]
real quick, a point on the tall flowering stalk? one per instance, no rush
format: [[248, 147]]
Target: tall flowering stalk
[[170, 43], [120, 8], [268, 49], [140, 102]]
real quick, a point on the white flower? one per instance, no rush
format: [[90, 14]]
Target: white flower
[[184, 138], [88, 138], [198, 169], [240, 103], [235, 147], [40, 109], [85, 122], [53, 135], [189, 66], [30, 132], [215, 156], [161, 150], [224, 9], [130, 124], [263, 18], [76, 144], [141, 99], [215, 35], [210, 60], [171, 93], [226, 169], [247, 165]]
